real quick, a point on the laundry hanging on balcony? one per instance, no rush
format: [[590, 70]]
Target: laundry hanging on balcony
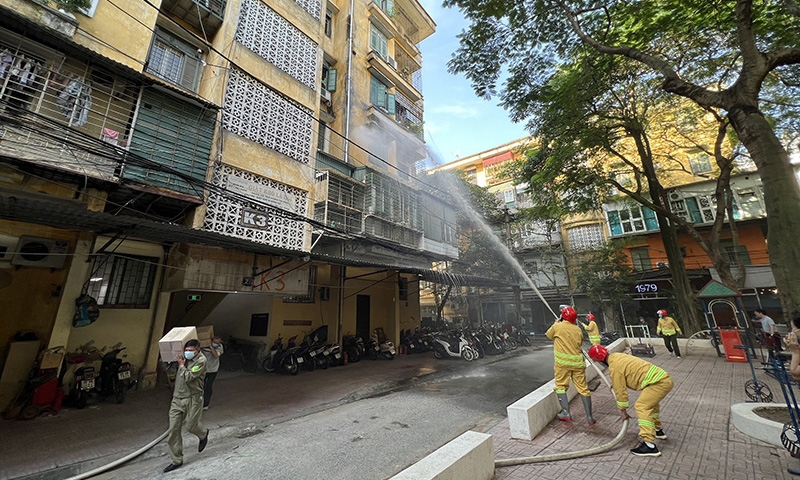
[[75, 100]]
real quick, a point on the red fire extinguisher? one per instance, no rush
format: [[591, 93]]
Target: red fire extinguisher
[[344, 357]]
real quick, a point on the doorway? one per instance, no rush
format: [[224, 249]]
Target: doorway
[[362, 317]]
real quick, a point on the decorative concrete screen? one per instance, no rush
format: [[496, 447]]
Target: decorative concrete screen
[[260, 224], [260, 114], [276, 40], [585, 236]]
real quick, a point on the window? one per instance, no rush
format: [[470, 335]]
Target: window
[[740, 251], [328, 23], [174, 60], [378, 42], [509, 196], [402, 289], [700, 163], [641, 259], [379, 95], [387, 6], [312, 283], [322, 137], [631, 220], [585, 237], [123, 281], [328, 77]]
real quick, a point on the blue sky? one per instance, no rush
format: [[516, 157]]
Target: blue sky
[[457, 123]]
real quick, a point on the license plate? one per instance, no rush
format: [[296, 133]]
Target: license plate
[[87, 384], [411, 346], [338, 355], [299, 359], [124, 374], [313, 354]]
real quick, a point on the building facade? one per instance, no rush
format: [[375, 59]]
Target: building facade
[[246, 165]]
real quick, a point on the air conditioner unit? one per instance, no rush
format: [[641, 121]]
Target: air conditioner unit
[[325, 94], [674, 196], [392, 62], [40, 252]]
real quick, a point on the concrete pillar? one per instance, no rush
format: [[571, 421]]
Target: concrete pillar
[[79, 271]]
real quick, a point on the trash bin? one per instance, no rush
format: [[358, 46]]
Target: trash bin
[[730, 338]]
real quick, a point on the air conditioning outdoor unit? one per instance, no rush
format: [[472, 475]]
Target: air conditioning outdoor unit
[[40, 252], [325, 94], [674, 196], [393, 63]]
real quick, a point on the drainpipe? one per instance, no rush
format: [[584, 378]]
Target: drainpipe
[[349, 86]]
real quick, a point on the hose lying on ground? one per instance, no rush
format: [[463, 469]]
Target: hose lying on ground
[[569, 455], [116, 463]]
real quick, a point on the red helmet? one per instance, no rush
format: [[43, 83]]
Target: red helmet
[[590, 317], [661, 313], [569, 314], [598, 353]]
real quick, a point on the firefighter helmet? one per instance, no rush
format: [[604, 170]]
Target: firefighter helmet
[[569, 314], [590, 317], [598, 353], [661, 313]]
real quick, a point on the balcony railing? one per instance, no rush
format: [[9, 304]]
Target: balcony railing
[[204, 15]]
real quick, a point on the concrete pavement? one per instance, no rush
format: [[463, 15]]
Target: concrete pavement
[[702, 443]]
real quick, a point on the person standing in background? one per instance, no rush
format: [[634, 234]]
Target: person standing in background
[[669, 329], [592, 330], [767, 329], [212, 367]]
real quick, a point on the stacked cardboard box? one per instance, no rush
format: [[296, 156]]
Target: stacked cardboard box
[[205, 334], [171, 344]]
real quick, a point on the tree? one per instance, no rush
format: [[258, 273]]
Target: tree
[[720, 54], [606, 279]]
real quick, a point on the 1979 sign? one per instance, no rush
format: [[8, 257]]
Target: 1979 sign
[[646, 287]]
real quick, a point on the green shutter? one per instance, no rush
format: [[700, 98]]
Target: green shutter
[[694, 210], [614, 224], [330, 83], [172, 133], [650, 219], [390, 103]]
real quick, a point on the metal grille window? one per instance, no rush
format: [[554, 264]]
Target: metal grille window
[[174, 60], [273, 38], [641, 259], [123, 281], [259, 114], [585, 237]]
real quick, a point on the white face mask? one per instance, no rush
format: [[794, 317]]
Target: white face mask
[[188, 354]]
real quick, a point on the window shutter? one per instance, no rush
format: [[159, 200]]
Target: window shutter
[[694, 210], [650, 219], [191, 69], [330, 84], [390, 8], [390, 102], [613, 223], [374, 91]]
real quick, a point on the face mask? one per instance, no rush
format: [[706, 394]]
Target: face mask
[[215, 345], [188, 354]]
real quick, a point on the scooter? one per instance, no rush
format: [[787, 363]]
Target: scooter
[[453, 346], [380, 347], [278, 357], [114, 379]]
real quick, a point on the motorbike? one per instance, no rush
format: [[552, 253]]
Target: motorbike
[[114, 379], [353, 347], [380, 346], [280, 358], [607, 338], [455, 345]]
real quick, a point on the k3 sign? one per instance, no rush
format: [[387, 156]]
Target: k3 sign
[[254, 219]]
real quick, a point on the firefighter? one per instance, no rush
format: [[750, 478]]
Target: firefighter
[[626, 372], [569, 363], [187, 403], [592, 330], [667, 328]]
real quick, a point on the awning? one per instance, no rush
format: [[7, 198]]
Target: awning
[[498, 158], [26, 206]]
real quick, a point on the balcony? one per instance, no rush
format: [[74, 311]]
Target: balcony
[[386, 71], [204, 15], [44, 14]]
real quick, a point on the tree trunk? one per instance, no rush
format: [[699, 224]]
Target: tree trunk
[[782, 199]]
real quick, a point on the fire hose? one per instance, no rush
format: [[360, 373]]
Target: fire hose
[[116, 463], [570, 455]]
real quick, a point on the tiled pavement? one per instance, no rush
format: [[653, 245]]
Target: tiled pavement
[[702, 442]]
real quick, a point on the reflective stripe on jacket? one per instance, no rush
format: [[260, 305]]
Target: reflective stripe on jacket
[[631, 372], [567, 344]]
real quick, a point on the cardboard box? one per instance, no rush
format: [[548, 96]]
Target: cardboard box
[[51, 360], [205, 334], [171, 344]]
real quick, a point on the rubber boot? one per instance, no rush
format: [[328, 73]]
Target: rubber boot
[[587, 405], [564, 414]]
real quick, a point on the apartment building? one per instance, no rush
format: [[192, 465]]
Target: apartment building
[[191, 162]]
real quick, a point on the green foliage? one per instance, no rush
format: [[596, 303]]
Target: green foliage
[[604, 275]]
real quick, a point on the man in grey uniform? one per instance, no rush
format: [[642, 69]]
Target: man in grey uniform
[[187, 402]]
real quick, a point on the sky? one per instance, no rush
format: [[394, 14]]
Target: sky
[[457, 122]]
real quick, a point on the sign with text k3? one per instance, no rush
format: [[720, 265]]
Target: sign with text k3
[[254, 219]]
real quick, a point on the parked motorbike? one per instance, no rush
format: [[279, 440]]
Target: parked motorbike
[[353, 347], [114, 379], [607, 338], [281, 358], [453, 346], [380, 346]]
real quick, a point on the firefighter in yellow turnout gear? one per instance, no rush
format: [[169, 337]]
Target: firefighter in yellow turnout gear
[[626, 372], [668, 328], [187, 403], [569, 363], [592, 330]]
